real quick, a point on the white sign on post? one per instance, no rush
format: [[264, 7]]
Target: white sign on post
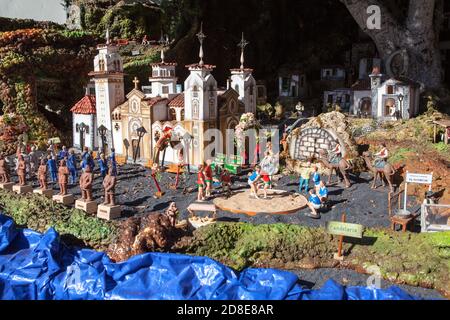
[[419, 178]]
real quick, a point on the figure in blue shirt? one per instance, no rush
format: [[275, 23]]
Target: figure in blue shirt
[[103, 164], [72, 166], [112, 158], [316, 178], [323, 192], [314, 204], [52, 168], [63, 154], [91, 161]]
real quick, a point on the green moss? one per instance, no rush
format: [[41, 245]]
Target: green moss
[[400, 155], [414, 259], [39, 213]]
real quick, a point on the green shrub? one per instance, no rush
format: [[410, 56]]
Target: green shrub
[[39, 213]]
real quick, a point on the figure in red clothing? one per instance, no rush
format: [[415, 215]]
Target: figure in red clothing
[[208, 178], [225, 179], [200, 184]]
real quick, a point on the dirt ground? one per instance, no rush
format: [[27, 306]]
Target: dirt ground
[[362, 205]]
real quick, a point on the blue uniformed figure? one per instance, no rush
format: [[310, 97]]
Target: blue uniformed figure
[[63, 154], [316, 178], [103, 164], [112, 159], [53, 168], [91, 161], [72, 166]]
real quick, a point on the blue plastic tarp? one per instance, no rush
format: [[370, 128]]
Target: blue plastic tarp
[[37, 266]]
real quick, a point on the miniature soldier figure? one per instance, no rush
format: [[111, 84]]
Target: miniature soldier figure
[[51, 148], [63, 154], [86, 180], [34, 161], [102, 163], [72, 165], [112, 158], [109, 184], [21, 170], [4, 170], [51, 163], [42, 175], [63, 177]]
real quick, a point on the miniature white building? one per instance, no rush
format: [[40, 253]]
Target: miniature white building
[[85, 123], [394, 98], [109, 87]]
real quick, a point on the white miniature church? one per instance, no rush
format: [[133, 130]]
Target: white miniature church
[[189, 114]]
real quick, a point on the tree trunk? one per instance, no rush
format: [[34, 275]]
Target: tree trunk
[[415, 42]]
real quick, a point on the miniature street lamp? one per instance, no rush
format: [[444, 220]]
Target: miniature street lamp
[[102, 131], [401, 97], [141, 133], [187, 138], [83, 129]]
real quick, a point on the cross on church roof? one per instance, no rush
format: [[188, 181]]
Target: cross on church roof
[[242, 45], [136, 82], [201, 37]]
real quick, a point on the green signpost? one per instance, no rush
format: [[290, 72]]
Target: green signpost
[[343, 229]]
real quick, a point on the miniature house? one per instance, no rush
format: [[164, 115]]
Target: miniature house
[[292, 84], [394, 98], [342, 97], [85, 123], [333, 73]]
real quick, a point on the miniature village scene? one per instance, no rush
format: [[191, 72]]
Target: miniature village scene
[[308, 138]]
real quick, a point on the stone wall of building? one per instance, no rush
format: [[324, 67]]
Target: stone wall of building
[[308, 143]]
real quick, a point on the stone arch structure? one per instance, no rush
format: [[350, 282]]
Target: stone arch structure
[[309, 142]]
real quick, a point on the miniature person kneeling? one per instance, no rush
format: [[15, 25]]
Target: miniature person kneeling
[[314, 204], [323, 192]]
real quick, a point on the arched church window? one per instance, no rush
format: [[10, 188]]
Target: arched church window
[[101, 65], [252, 90], [172, 114], [236, 88], [211, 91], [212, 108], [195, 92], [182, 115], [195, 109]]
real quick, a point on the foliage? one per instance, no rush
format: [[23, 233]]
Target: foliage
[[415, 259], [442, 147], [39, 213], [400, 155], [32, 61]]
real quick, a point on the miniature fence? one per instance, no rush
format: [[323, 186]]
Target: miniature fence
[[435, 217]]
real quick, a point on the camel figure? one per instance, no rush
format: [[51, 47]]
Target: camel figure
[[388, 171], [343, 167]]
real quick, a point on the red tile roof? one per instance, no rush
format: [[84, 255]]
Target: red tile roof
[[198, 66], [85, 105], [177, 101], [151, 102]]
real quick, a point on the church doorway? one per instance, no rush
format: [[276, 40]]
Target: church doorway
[[389, 107], [366, 107], [136, 149]]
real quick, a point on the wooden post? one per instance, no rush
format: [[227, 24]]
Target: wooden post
[[434, 133], [406, 192], [341, 238]]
